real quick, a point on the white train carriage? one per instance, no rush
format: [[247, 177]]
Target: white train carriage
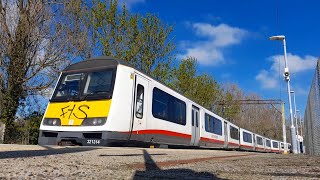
[[213, 131], [104, 100], [275, 146], [267, 146], [246, 140], [259, 143]]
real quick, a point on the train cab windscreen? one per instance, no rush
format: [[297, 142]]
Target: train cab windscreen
[[84, 86]]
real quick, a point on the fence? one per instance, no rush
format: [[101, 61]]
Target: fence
[[312, 116]]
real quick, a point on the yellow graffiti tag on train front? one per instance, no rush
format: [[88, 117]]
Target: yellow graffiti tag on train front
[[73, 113]]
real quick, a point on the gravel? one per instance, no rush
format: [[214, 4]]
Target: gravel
[[53, 162]]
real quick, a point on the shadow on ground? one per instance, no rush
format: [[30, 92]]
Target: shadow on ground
[[128, 155], [46, 152], [152, 171]]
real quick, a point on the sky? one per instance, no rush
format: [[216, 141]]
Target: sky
[[230, 40]]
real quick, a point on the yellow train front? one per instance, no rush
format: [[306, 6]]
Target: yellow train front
[[81, 110]]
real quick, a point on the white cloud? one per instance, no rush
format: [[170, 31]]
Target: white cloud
[[129, 3], [267, 79], [295, 63], [210, 50], [270, 79], [221, 35], [204, 54]]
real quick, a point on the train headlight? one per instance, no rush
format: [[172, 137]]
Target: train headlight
[[94, 121], [52, 122]]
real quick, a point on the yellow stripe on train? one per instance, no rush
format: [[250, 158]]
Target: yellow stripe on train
[[72, 113]]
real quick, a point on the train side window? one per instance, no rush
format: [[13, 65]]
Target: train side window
[[217, 126], [268, 144], [168, 107], [160, 103], [259, 140], [213, 125], [234, 133], [207, 125], [247, 137], [139, 101], [179, 115], [275, 144]]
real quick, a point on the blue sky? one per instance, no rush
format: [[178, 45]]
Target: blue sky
[[230, 40]]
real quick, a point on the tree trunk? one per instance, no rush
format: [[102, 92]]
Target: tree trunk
[[2, 130]]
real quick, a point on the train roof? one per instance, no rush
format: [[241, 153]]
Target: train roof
[[97, 62]]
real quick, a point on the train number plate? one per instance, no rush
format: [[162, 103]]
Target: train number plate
[[93, 141]]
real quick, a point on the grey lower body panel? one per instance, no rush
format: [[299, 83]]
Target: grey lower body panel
[[211, 144], [103, 138], [106, 138], [233, 147]]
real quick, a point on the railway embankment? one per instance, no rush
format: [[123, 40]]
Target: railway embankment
[[52, 162]]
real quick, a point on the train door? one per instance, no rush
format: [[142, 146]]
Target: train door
[[195, 126], [226, 135], [254, 141], [140, 106]]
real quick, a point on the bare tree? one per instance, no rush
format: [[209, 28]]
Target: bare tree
[[262, 119], [32, 49]]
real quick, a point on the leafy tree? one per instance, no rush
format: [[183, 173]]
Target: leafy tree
[[184, 76], [32, 126], [144, 41], [203, 89]]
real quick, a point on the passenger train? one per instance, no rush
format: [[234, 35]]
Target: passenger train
[[104, 100]]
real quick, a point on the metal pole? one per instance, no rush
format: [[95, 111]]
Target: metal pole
[[284, 129], [296, 120], [292, 128], [300, 125]]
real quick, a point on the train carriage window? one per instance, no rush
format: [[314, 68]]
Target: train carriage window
[[160, 103], [208, 124], [259, 140], [247, 137], [268, 144], [234, 133], [213, 125], [179, 107], [275, 144], [217, 126], [168, 107], [139, 101]]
